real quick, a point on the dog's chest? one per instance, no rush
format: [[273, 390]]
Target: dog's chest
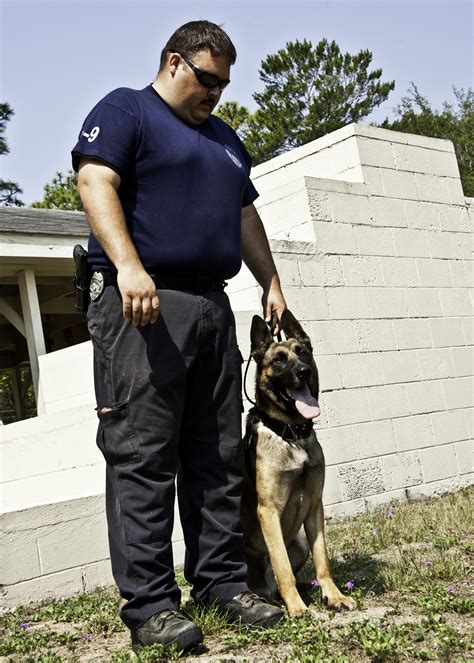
[[288, 468], [286, 474], [295, 457]]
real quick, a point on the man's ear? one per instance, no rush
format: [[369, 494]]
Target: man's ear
[[260, 338], [293, 329], [173, 63]]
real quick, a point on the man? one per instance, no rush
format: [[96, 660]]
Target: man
[[167, 193]]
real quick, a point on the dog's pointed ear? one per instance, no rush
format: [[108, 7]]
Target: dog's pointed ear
[[260, 338], [293, 329]]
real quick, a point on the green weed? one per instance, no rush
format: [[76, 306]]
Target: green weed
[[410, 559]]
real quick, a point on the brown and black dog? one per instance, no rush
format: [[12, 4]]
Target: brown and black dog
[[284, 479]]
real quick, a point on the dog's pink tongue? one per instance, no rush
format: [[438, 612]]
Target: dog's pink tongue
[[305, 402]]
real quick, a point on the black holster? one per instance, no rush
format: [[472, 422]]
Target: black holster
[[82, 278]]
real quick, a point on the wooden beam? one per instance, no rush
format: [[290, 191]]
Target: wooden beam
[[47, 297], [41, 280], [7, 360], [33, 326], [12, 316]]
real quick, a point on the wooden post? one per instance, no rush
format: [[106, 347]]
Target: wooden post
[[33, 325]]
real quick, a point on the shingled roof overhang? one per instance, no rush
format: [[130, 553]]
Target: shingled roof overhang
[[36, 290], [37, 221]]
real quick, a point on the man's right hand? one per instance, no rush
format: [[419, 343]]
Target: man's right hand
[[139, 297], [98, 185]]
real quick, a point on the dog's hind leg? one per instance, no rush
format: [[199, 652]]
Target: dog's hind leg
[[298, 551], [260, 577], [314, 528]]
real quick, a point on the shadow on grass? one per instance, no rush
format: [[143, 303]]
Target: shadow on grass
[[358, 571]]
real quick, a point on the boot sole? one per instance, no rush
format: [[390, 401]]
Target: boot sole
[[267, 623], [185, 641]]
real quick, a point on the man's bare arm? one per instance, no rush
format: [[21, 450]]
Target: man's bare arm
[[97, 185], [258, 258]]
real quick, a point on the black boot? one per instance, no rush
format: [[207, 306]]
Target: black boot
[[252, 610], [167, 628]]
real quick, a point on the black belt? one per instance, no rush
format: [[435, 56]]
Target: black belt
[[196, 284]]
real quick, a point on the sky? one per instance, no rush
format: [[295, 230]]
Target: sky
[[58, 58]]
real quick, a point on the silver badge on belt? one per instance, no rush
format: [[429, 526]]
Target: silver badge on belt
[[97, 285]]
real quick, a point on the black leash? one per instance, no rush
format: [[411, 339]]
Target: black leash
[[245, 381]]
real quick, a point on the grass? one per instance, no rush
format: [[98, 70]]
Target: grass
[[407, 566]]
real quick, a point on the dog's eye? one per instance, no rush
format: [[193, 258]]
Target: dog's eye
[[300, 351], [280, 358]]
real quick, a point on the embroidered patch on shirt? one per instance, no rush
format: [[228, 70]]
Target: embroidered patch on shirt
[[233, 156]]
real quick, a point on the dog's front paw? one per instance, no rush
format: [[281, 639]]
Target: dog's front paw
[[297, 611], [340, 602]]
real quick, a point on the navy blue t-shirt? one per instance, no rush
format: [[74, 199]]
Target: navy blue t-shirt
[[182, 186]]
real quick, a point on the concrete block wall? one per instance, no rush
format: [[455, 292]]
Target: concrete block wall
[[395, 374], [380, 270], [54, 550], [53, 540], [376, 263]]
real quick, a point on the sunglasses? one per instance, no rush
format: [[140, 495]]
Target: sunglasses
[[204, 77]]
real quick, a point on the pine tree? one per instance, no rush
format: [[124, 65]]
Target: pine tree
[[61, 193], [8, 190], [309, 92], [416, 116]]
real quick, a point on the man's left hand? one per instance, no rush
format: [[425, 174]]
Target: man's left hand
[[273, 306]]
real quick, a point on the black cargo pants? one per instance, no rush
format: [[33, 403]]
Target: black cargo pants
[[174, 393]]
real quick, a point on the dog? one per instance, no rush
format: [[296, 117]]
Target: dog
[[284, 477]]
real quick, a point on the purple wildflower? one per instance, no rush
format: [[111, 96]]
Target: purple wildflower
[[315, 583], [25, 625], [452, 590], [88, 638], [390, 513], [350, 585]]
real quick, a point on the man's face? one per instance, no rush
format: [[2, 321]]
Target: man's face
[[192, 100]]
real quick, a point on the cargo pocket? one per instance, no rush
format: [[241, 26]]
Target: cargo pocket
[[116, 436]]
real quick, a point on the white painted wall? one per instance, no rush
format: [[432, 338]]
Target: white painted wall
[[371, 235], [66, 378]]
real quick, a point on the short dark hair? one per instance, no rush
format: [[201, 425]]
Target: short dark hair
[[199, 36]]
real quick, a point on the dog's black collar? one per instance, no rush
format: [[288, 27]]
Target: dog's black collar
[[290, 433]]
